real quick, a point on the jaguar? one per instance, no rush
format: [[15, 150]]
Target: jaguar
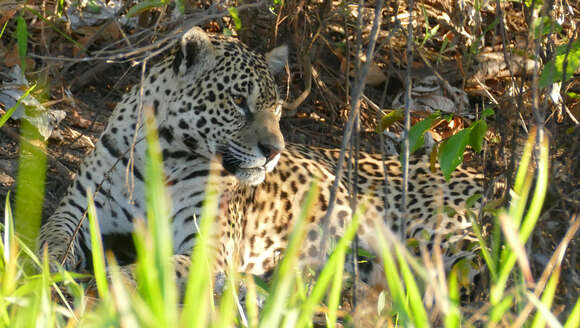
[[217, 109]]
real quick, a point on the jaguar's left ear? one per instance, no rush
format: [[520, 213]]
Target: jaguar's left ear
[[195, 50], [277, 58]]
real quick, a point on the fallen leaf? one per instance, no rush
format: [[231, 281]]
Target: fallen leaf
[[12, 59], [375, 75], [78, 121]]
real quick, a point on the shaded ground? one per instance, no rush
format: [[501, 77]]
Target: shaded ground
[[321, 37]]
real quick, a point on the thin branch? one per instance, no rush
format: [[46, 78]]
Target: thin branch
[[356, 92], [406, 150], [157, 47], [354, 153]]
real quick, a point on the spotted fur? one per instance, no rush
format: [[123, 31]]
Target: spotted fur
[[216, 104]]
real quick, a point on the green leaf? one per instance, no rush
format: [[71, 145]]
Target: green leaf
[[476, 134], [536, 3], [553, 70], [487, 112], [472, 200], [22, 39], [450, 211], [60, 7], [390, 119], [180, 6], [364, 253], [545, 25], [417, 133], [93, 7], [451, 152], [141, 7], [236, 17]]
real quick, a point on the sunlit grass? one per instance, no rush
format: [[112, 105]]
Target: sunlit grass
[[293, 298]]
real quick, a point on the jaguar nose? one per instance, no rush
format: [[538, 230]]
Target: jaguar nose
[[269, 151]]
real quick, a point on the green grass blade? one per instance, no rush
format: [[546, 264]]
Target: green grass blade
[[574, 317], [251, 306], [394, 281], [41, 312], [8, 263], [30, 189], [126, 307], [12, 109], [145, 271], [335, 291], [547, 298], [418, 313], [198, 296], [499, 309], [228, 303], [97, 251], [543, 311], [531, 217], [143, 6], [158, 219], [541, 187], [30, 254], [483, 247], [524, 163], [4, 28], [22, 40], [453, 316], [54, 27], [8, 230], [333, 268], [283, 277]]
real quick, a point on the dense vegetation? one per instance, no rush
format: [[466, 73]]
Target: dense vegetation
[[505, 93]]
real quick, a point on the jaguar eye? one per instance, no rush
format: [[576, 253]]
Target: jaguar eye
[[239, 100], [242, 105]]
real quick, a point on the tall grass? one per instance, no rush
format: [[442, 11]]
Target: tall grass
[[292, 299]]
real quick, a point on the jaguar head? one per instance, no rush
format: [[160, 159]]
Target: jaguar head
[[227, 105]]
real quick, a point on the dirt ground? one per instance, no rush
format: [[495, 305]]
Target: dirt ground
[[322, 41]]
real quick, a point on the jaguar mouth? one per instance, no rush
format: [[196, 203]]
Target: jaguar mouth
[[249, 172], [251, 176], [248, 175]]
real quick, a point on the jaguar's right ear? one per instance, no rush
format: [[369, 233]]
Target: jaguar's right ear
[[195, 48], [277, 58]]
